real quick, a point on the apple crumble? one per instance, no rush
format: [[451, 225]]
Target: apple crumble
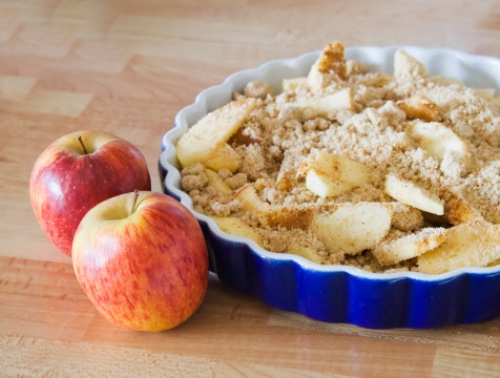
[[384, 172]]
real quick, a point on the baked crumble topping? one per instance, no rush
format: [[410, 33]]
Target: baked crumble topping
[[385, 172]]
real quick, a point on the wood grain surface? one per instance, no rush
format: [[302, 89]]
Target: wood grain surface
[[128, 67]]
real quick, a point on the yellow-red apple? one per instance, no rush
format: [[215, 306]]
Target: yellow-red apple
[[142, 260], [78, 171]]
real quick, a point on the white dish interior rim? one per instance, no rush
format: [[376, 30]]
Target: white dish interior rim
[[376, 58]]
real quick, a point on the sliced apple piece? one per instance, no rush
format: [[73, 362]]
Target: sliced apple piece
[[320, 183], [304, 251], [216, 181], [394, 250], [249, 198], [223, 156], [437, 139], [471, 244], [410, 194], [236, 226], [421, 108], [332, 175], [406, 66], [212, 131], [321, 106], [352, 228], [331, 59]]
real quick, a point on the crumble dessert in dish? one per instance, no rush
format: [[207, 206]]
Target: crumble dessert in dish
[[345, 166]]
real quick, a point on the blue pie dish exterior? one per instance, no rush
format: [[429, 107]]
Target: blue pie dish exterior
[[341, 294]]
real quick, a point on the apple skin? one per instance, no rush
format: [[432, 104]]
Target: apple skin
[[143, 262], [66, 182]]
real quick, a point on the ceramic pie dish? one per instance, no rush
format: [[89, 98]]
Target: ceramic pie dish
[[333, 293]]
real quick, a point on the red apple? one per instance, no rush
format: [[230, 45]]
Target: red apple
[[78, 171], [142, 260]]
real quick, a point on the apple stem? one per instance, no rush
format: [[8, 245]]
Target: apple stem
[[136, 196], [81, 142]]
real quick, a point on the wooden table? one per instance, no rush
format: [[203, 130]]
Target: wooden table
[[127, 67]]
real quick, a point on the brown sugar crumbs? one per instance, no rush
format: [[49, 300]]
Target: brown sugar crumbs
[[378, 171]]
